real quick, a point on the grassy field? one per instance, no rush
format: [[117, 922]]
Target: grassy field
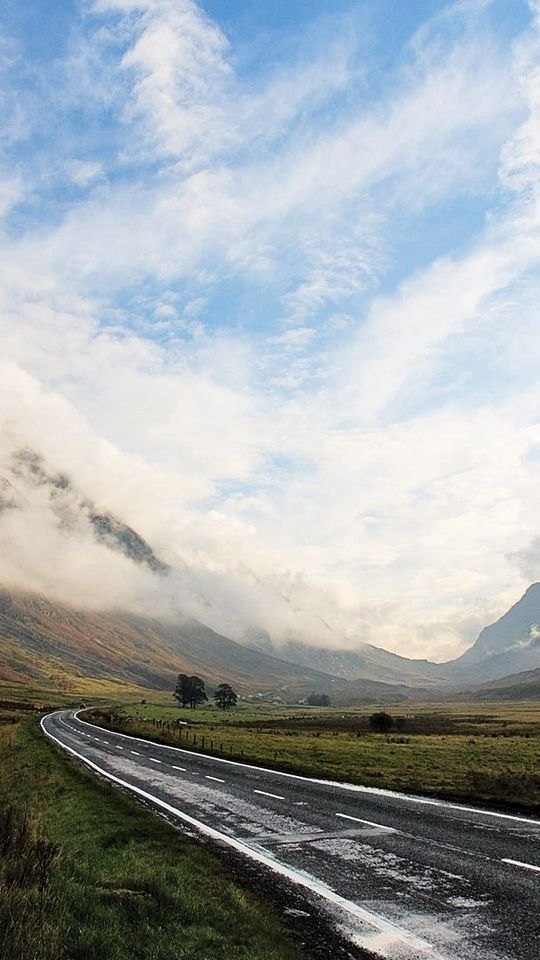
[[86, 874], [484, 752]]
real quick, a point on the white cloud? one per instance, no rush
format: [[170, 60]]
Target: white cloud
[[84, 172]]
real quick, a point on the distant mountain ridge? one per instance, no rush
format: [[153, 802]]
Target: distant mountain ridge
[[516, 686], [367, 662]]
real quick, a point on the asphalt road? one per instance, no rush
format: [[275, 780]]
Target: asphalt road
[[403, 877]]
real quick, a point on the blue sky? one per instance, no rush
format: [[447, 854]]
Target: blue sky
[[279, 263]]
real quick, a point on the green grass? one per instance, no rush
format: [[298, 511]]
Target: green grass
[[488, 753], [87, 874]]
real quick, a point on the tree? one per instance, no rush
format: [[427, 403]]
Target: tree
[[198, 693], [381, 722], [181, 691], [189, 691], [225, 696], [318, 700]]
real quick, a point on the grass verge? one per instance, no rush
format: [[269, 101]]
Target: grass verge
[[86, 874]]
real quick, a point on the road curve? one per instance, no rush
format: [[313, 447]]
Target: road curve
[[407, 878]]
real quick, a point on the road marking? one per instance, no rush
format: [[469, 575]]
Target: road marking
[[345, 816], [178, 768], [350, 787], [136, 752], [392, 933], [263, 793], [154, 759], [519, 863], [217, 779], [118, 747]]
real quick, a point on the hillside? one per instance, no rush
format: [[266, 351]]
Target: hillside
[[516, 686], [42, 642], [366, 662], [508, 646]]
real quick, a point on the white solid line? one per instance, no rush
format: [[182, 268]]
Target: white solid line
[[155, 759], [302, 879], [519, 863], [136, 752], [178, 768], [355, 787], [217, 779], [265, 794], [345, 816]]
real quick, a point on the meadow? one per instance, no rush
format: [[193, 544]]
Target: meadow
[[87, 874], [489, 753]]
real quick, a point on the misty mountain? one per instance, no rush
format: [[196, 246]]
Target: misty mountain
[[72, 509], [508, 646], [112, 533], [48, 644], [366, 662], [32, 489]]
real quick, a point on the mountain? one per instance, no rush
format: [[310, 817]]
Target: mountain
[[43, 641], [71, 509], [366, 662], [508, 646], [517, 686], [47, 644]]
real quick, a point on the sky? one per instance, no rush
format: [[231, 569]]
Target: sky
[[270, 292]]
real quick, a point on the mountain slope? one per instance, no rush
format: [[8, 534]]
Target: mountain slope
[[516, 686], [365, 662], [510, 645], [71, 509], [43, 641]]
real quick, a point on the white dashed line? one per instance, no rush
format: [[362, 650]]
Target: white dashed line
[[118, 747], [519, 863], [217, 779], [136, 752], [381, 826], [154, 759], [274, 796], [178, 768]]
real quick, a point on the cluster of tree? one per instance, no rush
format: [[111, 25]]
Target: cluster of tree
[[318, 700], [190, 691]]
